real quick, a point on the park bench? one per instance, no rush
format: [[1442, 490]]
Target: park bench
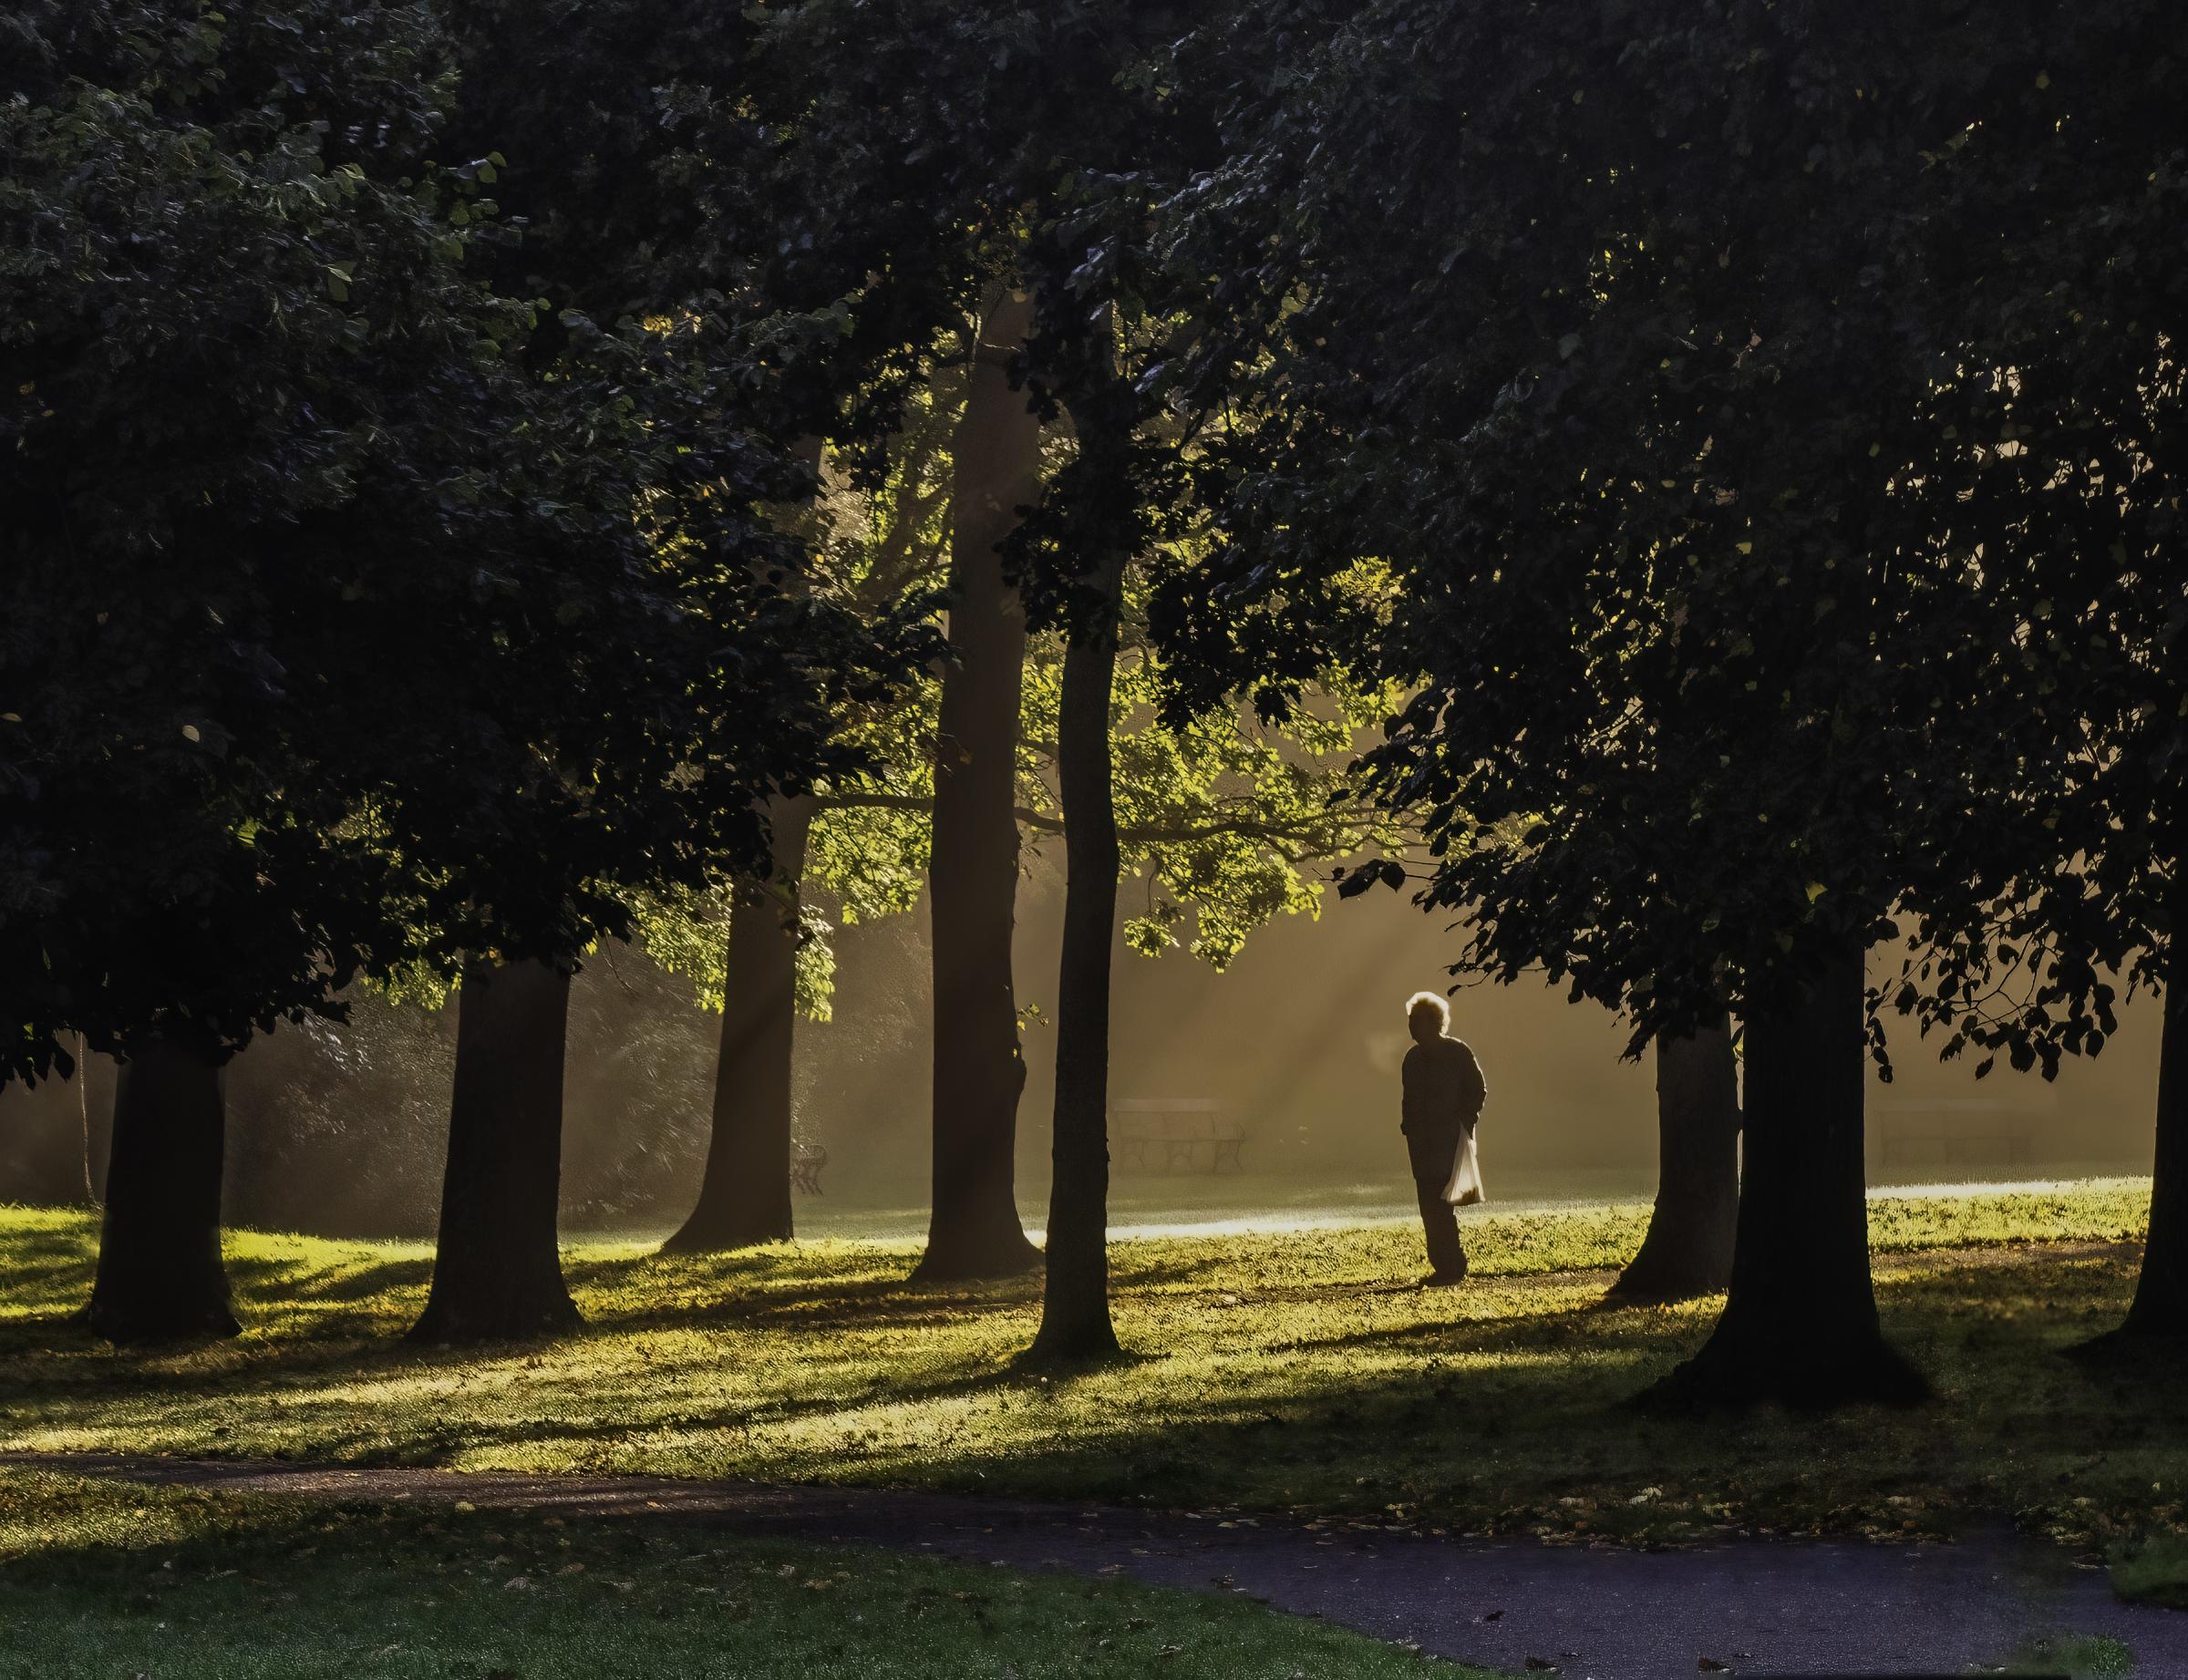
[[806, 1162], [1175, 1134]]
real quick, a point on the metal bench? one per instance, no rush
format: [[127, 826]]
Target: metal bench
[[1174, 1134], [806, 1162]]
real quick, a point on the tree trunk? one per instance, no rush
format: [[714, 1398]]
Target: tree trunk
[[45, 1142], [98, 1082], [160, 1272], [973, 880], [1688, 1249], [1075, 1305], [745, 1194], [2158, 1316], [1800, 1321], [497, 1272]]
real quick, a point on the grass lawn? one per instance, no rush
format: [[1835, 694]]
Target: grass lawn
[[1281, 1372], [98, 1580]]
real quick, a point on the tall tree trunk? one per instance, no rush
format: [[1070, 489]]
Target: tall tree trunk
[[160, 1272], [1800, 1321], [1075, 1305], [2158, 1316], [973, 881], [497, 1271], [745, 1193], [98, 1079], [44, 1142], [80, 1084], [1688, 1249]]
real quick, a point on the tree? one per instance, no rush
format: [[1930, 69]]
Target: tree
[[1688, 1250], [893, 168], [1224, 819], [161, 1276], [696, 167], [497, 1271], [179, 867], [1074, 1302], [1072, 554], [979, 1070], [544, 645], [745, 1190], [1705, 693], [863, 848], [2059, 439]]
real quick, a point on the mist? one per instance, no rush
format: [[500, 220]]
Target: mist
[[340, 1128]]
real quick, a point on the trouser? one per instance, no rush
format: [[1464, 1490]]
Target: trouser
[[1434, 1159]]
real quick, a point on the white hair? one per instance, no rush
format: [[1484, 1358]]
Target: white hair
[[1428, 1000]]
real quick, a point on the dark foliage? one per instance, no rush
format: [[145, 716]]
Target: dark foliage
[[348, 619]]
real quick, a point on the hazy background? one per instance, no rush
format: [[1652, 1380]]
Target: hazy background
[[340, 1128]]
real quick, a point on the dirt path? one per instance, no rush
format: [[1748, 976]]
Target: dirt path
[[1761, 1607]]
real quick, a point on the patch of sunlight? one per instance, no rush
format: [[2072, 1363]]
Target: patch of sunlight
[[1250, 1224], [1275, 1366], [1965, 1189]]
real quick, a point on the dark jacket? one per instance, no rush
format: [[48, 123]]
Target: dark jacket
[[1444, 1089]]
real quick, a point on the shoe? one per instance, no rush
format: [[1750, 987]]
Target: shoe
[[1444, 1280]]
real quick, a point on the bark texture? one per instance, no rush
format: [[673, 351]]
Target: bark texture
[[1075, 1303], [45, 1142], [973, 881], [160, 1272], [1800, 1322], [1688, 1249], [498, 1271], [100, 1078], [745, 1193], [2158, 1316]]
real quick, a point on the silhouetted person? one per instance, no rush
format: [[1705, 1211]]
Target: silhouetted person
[[1444, 1094]]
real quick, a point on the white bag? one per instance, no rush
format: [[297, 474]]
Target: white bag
[[1465, 1188]]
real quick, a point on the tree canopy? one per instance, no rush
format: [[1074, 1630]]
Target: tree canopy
[[349, 623]]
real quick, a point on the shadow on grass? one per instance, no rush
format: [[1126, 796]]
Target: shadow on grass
[[814, 1376], [295, 1279], [747, 1298]]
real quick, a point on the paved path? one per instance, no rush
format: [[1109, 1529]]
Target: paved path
[[1761, 1607]]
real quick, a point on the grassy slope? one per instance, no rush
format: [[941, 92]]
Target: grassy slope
[[99, 1581], [1284, 1373]]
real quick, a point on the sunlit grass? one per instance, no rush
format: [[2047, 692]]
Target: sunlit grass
[[1280, 1371], [99, 1580]]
